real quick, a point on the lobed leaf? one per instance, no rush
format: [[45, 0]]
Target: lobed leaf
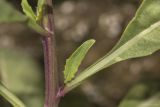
[[141, 38], [74, 61]]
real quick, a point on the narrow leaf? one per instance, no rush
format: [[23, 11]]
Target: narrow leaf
[[40, 4], [23, 80], [147, 14], [141, 38], [153, 101], [27, 9], [10, 97], [9, 14], [40, 7], [32, 17], [75, 60], [36, 27]]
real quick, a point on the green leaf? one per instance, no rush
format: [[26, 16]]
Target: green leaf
[[32, 24], [151, 102], [147, 14], [8, 14], [10, 97], [141, 38], [40, 4], [74, 61], [27, 9], [40, 7], [24, 80]]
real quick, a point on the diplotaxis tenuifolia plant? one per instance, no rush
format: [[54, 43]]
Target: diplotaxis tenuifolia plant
[[140, 38]]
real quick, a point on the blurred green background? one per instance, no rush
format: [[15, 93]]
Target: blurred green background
[[131, 83]]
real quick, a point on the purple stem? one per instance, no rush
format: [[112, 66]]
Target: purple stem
[[50, 61]]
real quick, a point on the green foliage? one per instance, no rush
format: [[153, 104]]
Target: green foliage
[[10, 97], [141, 38], [9, 14], [151, 102], [27, 9], [139, 91], [32, 22], [21, 75], [145, 93], [147, 15], [74, 61], [35, 26], [40, 6]]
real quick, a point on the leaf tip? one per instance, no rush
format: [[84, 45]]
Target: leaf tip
[[92, 41]]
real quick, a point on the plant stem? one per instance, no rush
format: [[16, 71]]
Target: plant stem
[[50, 61], [10, 97]]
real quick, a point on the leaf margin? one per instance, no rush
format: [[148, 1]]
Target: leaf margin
[[70, 71]]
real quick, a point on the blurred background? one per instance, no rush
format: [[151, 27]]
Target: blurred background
[[131, 83]]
